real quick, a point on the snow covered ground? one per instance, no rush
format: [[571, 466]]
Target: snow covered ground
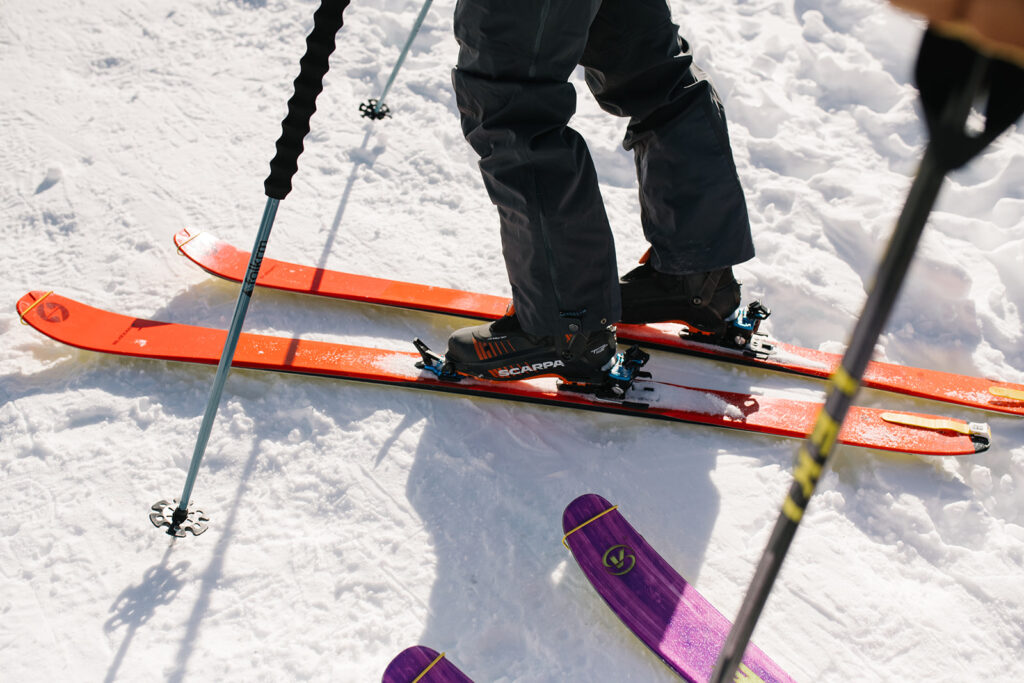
[[350, 521]]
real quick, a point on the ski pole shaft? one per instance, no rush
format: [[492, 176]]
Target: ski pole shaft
[[376, 109], [224, 366], [405, 50], [950, 76], [814, 453], [320, 43]]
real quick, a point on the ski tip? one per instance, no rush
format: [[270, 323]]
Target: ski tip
[[410, 663], [31, 301], [583, 510], [421, 664], [182, 235]]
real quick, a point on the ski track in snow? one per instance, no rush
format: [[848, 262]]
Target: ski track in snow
[[351, 521]]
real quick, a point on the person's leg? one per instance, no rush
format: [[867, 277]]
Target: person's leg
[[692, 206], [515, 102], [693, 211]]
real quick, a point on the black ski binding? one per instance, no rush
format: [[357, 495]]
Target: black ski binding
[[167, 514], [619, 379], [441, 367], [371, 110]]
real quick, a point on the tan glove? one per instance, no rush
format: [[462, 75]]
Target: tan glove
[[995, 27]]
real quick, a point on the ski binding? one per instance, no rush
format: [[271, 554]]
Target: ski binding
[[618, 379], [624, 370], [740, 331], [443, 368], [744, 323]]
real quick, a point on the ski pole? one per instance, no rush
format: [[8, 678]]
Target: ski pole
[[374, 108], [949, 76], [320, 43]]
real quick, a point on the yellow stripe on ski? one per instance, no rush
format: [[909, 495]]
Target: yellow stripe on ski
[[744, 674], [429, 667], [1003, 392]]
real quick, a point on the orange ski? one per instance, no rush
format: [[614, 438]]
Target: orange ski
[[85, 327], [223, 260]]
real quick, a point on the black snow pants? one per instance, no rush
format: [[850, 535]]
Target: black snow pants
[[512, 90]]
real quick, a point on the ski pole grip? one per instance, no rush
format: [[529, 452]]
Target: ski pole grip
[[320, 43], [952, 76]]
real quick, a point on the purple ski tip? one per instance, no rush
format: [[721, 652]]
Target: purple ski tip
[[420, 664], [651, 598]]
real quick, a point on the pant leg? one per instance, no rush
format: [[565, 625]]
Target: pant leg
[[515, 102], [693, 211]]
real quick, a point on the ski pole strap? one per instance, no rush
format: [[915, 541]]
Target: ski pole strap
[[565, 538], [320, 43]]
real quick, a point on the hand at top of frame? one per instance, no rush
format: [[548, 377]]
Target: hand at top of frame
[[994, 27]]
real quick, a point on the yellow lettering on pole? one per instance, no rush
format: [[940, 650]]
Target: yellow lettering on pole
[[793, 511], [844, 381], [806, 472], [808, 469], [826, 431]]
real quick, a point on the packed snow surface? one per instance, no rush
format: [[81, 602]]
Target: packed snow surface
[[349, 521]]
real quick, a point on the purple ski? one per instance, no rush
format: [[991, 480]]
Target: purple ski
[[651, 598], [420, 664]]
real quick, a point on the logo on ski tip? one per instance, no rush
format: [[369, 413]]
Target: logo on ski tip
[[52, 312], [619, 560]]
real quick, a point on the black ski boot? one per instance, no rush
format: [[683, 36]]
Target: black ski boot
[[502, 350], [706, 302]]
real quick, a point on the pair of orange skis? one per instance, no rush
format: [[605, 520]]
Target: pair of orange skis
[[82, 326]]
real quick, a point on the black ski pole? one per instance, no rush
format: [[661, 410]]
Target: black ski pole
[[179, 515], [950, 76]]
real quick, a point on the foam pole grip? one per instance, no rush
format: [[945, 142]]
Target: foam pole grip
[[320, 43]]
